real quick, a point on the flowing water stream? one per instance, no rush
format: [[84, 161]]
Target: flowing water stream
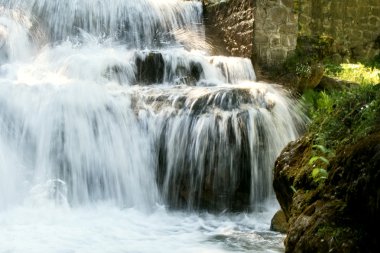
[[119, 132]]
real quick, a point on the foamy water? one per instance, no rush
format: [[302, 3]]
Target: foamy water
[[104, 228], [98, 153]]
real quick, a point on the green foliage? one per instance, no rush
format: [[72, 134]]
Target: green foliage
[[340, 118], [310, 50], [298, 65], [357, 73], [323, 149], [319, 174], [293, 188], [374, 62], [302, 70], [316, 158], [335, 232], [333, 70], [316, 48], [320, 163]]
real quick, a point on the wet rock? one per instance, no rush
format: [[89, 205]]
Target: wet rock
[[188, 75], [220, 185], [211, 167], [118, 73], [279, 222], [154, 68], [150, 68]]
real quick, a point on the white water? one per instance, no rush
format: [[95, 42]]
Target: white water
[[92, 162]]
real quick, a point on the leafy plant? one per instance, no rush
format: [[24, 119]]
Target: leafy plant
[[320, 163], [303, 69]]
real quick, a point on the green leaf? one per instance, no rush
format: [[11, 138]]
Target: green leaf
[[324, 159], [315, 173], [323, 173], [315, 158], [322, 148]]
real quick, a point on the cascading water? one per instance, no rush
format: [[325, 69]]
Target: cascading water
[[118, 130]]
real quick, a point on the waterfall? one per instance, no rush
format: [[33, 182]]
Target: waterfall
[[119, 102]]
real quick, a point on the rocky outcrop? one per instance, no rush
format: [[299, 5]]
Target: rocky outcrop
[[339, 215]]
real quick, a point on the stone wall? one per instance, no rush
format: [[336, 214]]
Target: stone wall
[[354, 25], [233, 19], [275, 32], [267, 30], [264, 30]]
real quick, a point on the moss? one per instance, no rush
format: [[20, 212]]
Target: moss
[[326, 230], [338, 235]]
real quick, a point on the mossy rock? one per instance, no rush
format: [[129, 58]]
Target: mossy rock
[[340, 214], [279, 222]]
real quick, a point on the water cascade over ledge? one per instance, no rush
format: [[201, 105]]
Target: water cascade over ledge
[[114, 114]]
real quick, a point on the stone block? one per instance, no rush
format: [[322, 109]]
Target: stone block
[[262, 51], [278, 55], [351, 12], [292, 17], [288, 3], [269, 27], [364, 11], [292, 41], [285, 41], [352, 3], [288, 29], [373, 21], [275, 41], [375, 11], [260, 14], [278, 15], [260, 38], [259, 23]]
